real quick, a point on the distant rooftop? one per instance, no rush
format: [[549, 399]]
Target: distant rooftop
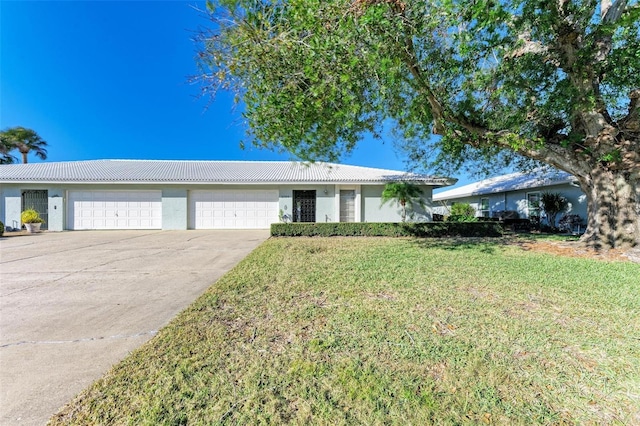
[[510, 182], [205, 172]]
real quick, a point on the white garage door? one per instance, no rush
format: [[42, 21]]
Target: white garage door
[[229, 209], [115, 210]]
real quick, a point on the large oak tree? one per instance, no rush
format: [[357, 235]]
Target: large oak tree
[[554, 81]]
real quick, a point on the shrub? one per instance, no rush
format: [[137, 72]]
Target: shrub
[[384, 229], [569, 221], [31, 216], [518, 225], [1, 228], [462, 212], [506, 214], [461, 218], [462, 209]]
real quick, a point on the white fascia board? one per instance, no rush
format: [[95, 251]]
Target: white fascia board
[[186, 182]]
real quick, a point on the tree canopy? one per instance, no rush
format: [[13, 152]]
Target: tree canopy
[[24, 141], [499, 82]]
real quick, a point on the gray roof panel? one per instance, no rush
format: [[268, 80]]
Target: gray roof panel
[[512, 182], [205, 172]]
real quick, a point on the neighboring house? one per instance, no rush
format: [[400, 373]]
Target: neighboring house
[[149, 194], [518, 192]]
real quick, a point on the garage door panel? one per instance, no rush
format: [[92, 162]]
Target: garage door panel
[[115, 210], [243, 209]]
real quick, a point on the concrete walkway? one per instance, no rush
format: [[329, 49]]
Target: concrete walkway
[[74, 303]]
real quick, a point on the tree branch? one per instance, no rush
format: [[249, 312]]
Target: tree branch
[[609, 12], [631, 122]]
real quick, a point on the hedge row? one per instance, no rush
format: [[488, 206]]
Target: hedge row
[[375, 229]]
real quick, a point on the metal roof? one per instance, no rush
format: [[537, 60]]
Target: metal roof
[[205, 172], [511, 182]]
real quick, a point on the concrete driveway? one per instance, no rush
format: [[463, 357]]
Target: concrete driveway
[[74, 303]]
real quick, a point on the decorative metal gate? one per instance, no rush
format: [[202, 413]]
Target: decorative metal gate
[[304, 206], [37, 199]]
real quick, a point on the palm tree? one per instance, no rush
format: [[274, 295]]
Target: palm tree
[[404, 193], [25, 141], [5, 147], [553, 203]]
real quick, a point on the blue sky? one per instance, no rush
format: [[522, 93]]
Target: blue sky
[[109, 79]]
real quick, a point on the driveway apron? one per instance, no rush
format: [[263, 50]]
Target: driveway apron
[[72, 304]]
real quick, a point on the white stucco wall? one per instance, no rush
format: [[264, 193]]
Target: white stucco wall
[[175, 201], [11, 202], [175, 208], [517, 201], [56, 212], [374, 211], [325, 211], [12, 205]]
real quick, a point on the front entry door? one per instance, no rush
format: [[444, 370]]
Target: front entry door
[[304, 206], [347, 205], [37, 199]]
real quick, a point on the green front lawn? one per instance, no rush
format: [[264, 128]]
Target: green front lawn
[[389, 331]]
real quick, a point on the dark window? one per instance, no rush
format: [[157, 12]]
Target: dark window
[[485, 210]]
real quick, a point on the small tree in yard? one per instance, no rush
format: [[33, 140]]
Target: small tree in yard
[[405, 194], [553, 203]]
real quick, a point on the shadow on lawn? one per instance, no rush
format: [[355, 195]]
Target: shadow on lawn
[[484, 245], [487, 244]]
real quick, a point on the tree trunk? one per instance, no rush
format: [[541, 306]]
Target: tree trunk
[[613, 208]]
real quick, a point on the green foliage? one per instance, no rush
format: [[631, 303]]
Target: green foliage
[[6, 146], [31, 216], [463, 209], [24, 141], [406, 194], [461, 218], [375, 229], [462, 212], [502, 83], [492, 78], [553, 203], [1, 229]]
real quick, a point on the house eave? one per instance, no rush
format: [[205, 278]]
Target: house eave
[[426, 182], [443, 196]]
